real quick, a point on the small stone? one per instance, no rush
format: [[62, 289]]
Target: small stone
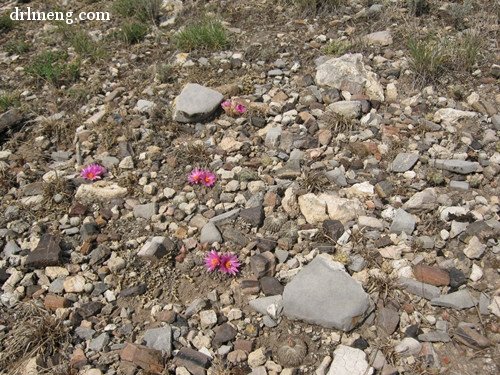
[[475, 249], [469, 335], [379, 38], [224, 333], [403, 162], [193, 360], [196, 103], [418, 288], [434, 336], [387, 320], [408, 347], [156, 248], [271, 286], [313, 209], [431, 275], [260, 265], [208, 318], [257, 358], [347, 109], [53, 302], [103, 191], [145, 211], [457, 166], [333, 229], [476, 273], [253, 216], [74, 284], [99, 343]]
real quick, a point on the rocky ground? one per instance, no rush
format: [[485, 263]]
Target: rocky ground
[[359, 191]]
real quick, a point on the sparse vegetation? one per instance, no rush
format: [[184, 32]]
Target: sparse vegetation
[[142, 10], [133, 32], [6, 24], [17, 47], [468, 50], [337, 123], [428, 57], [7, 101], [418, 7], [207, 34], [51, 66], [317, 6], [84, 45], [337, 47], [313, 181], [165, 73]]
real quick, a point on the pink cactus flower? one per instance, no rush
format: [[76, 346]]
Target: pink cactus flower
[[226, 104], [93, 172], [209, 178], [212, 261], [196, 176], [229, 264], [240, 108]]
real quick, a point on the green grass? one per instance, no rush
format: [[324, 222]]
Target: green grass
[[17, 47], [142, 10], [468, 50], [52, 67], [429, 57], [418, 7], [84, 45], [133, 32], [206, 34], [8, 101], [165, 73], [337, 47], [6, 24]]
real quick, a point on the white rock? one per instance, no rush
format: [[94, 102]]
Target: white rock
[[475, 249], [100, 191], [349, 361], [74, 284], [476, 273], [313, 208]]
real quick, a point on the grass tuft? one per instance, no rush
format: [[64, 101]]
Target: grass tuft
[[133, 32], [142, 10], [428, 57], [418, 8], [17, 47], [8, 101], [317, 6], [6, 24], [337, 47], [35, 333], [207, 34], [51, 66]]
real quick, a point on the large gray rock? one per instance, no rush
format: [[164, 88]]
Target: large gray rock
[[324, 293], [348, 73], [160, 339], [196, 103]]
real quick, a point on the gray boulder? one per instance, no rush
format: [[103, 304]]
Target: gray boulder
[[324, 293], [196, 103]]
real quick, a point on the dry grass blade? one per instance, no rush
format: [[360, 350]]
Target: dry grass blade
[[314, 181], [35, 333]]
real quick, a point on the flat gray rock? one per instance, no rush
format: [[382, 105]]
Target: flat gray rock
[[210, 233], [324, 293], [457, 166], [159, 339], [196, 103], [402, 222], [461, 299], [404, 162], [262, 304], [418, 288]]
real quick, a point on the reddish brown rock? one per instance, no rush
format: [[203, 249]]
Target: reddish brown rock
[[431, 275], [53, 302], [78, 358], [149, 359]]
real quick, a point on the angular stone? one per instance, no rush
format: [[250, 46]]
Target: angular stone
[[225, 217], [195, 361], [157, 247], [387, 321], [234, 236], [461, 299], [349, 361], [474, 249], [47, 253], [450, 116], [224, 333], [262, 304], [133, 291], [210, 233], [418, 288], [253, 216], [148, 359], [408, 346], [74, 284], [273, 137], [196, 103], [403, 162], [469, 335], [431, 275], [260, 265], [99, 343], [434, 336], [160, 339], [324, 293], [334, 229], [348, 72], [423, 200], [342, 209], [402, 222], [271, 286], [313, 208], [53, 302], [145, 211]]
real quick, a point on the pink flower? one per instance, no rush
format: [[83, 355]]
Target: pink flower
[[240, 108], [226, 104], [229, 264], [208, 178], [212, 260], [93, 172], [196, 176]]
